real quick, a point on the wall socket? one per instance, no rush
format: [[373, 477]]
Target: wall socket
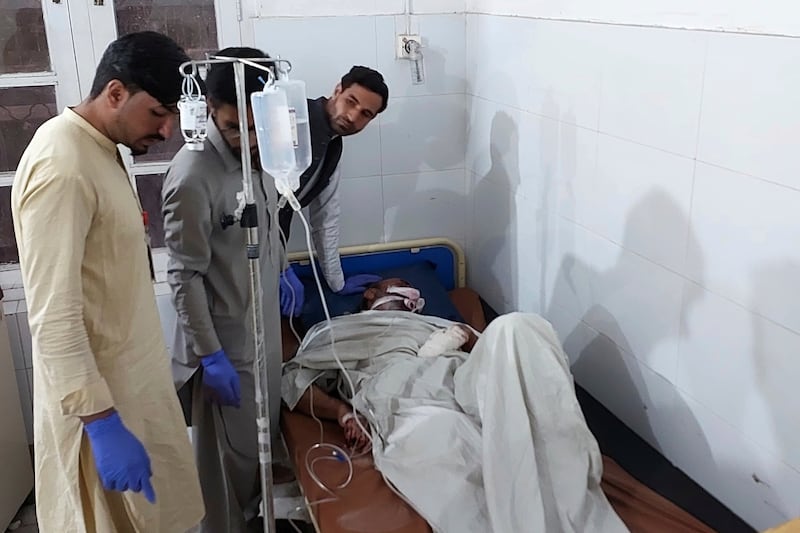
[[400, 48]]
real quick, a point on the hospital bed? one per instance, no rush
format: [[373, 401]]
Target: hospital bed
[[367, 504]]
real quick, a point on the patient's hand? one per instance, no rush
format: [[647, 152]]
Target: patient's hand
[[445, 340], [355, 438], [472, 338]]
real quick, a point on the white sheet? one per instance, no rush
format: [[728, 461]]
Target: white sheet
[[488, 441]]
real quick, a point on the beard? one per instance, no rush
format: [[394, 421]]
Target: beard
[[143, 149]]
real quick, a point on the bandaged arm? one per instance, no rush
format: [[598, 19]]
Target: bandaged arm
[[456, 337]]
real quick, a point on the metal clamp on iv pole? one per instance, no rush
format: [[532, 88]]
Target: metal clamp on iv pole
[[193, 121]]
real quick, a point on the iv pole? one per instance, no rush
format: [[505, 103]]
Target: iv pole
[[249, 221]]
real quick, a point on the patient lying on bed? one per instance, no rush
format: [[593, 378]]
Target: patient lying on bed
[[479, 433]]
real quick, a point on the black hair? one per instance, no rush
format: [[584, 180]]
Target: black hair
[[369, 79], [146, 61], [220, 85]]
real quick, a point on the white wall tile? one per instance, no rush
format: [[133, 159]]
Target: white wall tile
[[513, 63], [498, 50], [11, 295], [652, 86], [443, 52], [492, 141], [717, 15], [431, 204], [744, 368], [701, 444], [536, 224], [15, 342], [10, 277], [436, 6], [641, 199], [492, 255], [10, 307], [311, 8], [423, 133], [26, 402], [576, 168], [362, 211], [631, 300], [338, 44], [361, 153], [297, 236], [751, 107], [746, 232], [743, 476], [361, 222], [631, 390], [25, 338]]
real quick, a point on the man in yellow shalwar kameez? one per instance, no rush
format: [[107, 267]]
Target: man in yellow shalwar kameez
[[111, 449]]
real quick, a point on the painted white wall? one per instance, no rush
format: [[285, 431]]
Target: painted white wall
[[639, 187], [342, 8]]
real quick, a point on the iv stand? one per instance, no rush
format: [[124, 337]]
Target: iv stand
[[249, 221]]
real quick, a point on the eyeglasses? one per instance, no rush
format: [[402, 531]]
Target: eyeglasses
[[232, 132], [235, 133]]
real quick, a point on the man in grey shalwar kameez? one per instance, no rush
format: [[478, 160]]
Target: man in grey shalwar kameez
[[488, 441], [208, 272]]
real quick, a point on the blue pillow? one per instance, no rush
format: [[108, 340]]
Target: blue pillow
[[421, 275]]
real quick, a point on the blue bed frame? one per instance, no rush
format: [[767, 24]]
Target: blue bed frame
[[445, 255]]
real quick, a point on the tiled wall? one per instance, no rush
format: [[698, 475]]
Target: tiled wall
[[639, 187]]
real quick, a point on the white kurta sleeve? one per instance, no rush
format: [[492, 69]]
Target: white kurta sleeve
[[187, 234], [54, 215], [325, 211]]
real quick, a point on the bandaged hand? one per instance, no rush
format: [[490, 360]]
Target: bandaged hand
[[444, 340], [354, 436]]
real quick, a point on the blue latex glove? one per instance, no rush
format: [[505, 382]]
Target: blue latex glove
[[358, 284], [290, 282], [221, 380], [121, 460]]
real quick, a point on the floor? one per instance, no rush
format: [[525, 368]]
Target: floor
[[288, 503], [286, 500]]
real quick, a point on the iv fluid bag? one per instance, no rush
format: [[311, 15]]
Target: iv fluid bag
[[301, 131], [194, 116], [274, 133]]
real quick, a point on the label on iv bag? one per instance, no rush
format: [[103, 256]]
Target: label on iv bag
[[293, 122]]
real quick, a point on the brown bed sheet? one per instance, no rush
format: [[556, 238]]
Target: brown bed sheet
[[367, 503]]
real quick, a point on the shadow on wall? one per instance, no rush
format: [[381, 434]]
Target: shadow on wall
[[606, 365], [557, 162], [493, 264], [774, 362]]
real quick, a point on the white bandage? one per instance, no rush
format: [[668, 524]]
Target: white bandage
[[347, 417], [444, 340]]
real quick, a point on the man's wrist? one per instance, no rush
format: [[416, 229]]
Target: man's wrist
[[97, 416], [342, 412]]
